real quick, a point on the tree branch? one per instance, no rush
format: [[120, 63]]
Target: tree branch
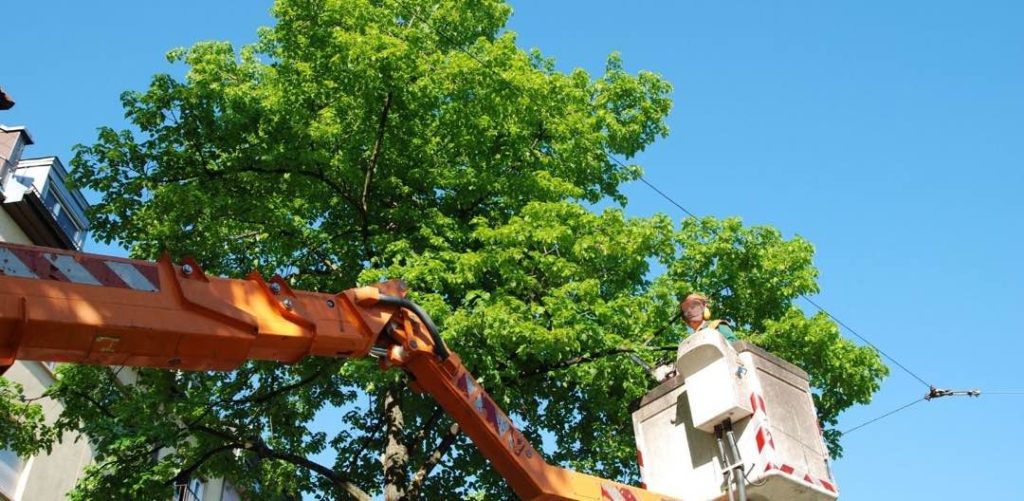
[[102, 408], [258, 399], [433, 459], [318, 175], [424, 430], [258, 446], [375, 156], [351, 489], [185, 473], [582, 359], [371, 168]]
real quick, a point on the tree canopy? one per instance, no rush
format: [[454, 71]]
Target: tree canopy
[[360, 140]]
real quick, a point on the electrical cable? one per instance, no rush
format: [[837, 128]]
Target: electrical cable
[[655, 188], [862, 338], [883, 416]]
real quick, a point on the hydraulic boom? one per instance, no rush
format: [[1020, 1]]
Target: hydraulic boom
[[73, 307]]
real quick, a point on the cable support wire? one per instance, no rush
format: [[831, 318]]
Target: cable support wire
[[932, 393], [883, 416]]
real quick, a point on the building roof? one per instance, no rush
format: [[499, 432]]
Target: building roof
[[18, 128]]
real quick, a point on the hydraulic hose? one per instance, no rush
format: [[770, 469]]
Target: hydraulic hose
[[439, 347]]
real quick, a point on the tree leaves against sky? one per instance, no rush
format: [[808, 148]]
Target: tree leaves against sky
[[360, 140]]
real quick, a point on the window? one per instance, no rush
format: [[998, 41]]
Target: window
[[55, 203], [230, 493], [10, 470], [51, 200], [192, 491]]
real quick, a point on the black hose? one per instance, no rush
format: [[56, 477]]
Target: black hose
[[439, 347]]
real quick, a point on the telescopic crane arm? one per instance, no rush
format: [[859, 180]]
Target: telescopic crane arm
[[67, 306]]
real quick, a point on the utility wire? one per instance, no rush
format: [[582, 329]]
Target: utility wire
[[883, 416], [862, 338], [483, 64], [932, 394], [655, 188]]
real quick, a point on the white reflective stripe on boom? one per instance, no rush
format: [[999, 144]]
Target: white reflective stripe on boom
[[131, 276], [71, 269], [11, 266], [611, 492]]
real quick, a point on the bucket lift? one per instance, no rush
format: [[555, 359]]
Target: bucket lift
[[736, 422]]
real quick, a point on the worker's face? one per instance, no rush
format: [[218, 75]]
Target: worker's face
[[693, 313]]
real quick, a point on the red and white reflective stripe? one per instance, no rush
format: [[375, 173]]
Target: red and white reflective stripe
[[802, 475], [71, 269], [757, 403], [615, 493], [81, 269], [11, 266], [763, 436], [766, 447]]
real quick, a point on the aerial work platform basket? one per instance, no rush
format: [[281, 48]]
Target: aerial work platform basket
[[760, 402]]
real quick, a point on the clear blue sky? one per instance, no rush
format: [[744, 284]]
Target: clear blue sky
[[890, 134]]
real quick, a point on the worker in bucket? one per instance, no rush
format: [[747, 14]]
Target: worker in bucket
[[697, 315]]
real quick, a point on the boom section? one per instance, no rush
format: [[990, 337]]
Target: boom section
[[75, 307]]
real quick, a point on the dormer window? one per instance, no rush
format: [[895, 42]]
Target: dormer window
[[36, 195], [58, 207]]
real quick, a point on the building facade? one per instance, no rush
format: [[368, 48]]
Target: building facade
[[36, 207]]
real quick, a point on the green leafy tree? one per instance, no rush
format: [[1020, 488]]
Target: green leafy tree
[[360, 140]]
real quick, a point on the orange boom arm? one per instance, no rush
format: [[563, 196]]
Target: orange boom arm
[[73, 307]]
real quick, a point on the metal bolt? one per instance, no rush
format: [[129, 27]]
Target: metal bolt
[[287, 303], [186, 269], [275, 288], [330, 303]]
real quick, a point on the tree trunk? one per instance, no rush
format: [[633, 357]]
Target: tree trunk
[[396, 456]]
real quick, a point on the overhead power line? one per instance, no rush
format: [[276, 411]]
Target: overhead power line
[[862, 338]]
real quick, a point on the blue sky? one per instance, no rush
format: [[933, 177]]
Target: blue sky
[[889, 134]]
